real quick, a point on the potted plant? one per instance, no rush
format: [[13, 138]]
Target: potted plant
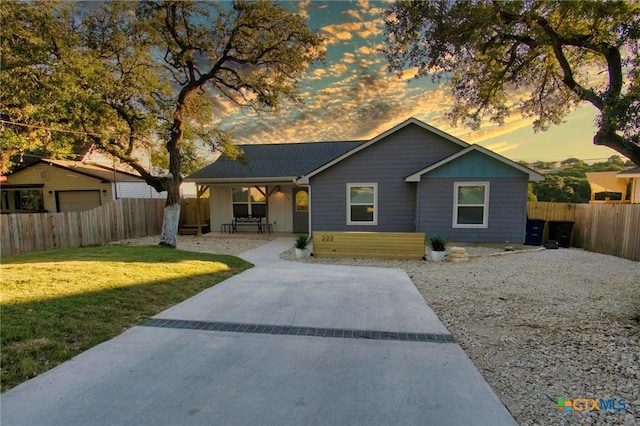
[[301, 246], [438, 249]]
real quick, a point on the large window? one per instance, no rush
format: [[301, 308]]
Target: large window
[[249, 202], [470, 204], [362, 204], [23, 200]]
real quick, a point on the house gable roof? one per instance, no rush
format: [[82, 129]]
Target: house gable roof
[[533, 176], [102, 173], [287, 161], [631, 173], [298, 162], [383, 135], [607, 182]]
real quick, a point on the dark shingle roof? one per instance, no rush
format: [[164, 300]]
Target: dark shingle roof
[[630, 171], [275, 160]]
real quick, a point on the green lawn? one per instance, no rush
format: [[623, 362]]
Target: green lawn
[[57, 304]]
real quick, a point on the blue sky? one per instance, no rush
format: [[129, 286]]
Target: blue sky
[[352, 96]]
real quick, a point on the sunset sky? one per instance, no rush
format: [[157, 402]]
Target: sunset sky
[[352, 96]]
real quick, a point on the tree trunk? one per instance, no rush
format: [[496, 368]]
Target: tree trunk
[[169, 235], [171, 221], [172, 183]]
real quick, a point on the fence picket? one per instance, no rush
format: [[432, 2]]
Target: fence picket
[[124, 218], [602, 228]]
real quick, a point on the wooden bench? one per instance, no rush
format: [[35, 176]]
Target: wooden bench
[[247, 221], [369, 245]]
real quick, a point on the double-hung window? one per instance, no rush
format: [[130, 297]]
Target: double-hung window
[[362, 204], [470, 204], [249, 202]]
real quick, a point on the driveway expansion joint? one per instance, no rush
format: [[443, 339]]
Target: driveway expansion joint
[[299, 330]]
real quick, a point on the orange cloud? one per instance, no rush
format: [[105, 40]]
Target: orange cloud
[[352, 13]]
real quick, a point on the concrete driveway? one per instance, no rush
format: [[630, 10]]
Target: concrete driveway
[[280, 344]]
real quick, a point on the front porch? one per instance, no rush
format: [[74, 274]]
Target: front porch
[[279, 207]]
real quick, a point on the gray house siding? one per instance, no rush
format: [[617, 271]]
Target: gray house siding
[[507, 209], [386, 162]]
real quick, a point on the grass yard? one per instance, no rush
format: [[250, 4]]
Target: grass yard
[[57, 304]]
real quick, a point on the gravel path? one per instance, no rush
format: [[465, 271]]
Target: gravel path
[[208, 243], [539, 325]]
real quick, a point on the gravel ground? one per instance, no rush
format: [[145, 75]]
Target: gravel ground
[[232, 244], [539, 325]]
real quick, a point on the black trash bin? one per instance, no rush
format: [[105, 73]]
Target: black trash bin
[[535, 229], [560, 230]]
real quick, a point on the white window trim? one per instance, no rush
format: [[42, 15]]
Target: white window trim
[[485, 212], [375, 204]]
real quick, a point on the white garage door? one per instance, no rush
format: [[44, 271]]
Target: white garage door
[[77, 201]]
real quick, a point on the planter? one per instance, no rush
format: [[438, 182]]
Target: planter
[[438, 256], [301, 253]]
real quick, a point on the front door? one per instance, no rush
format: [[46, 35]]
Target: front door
[[300, 210]]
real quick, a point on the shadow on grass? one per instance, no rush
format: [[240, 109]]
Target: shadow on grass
[[38, 335]]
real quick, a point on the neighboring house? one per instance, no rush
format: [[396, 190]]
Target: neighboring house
[[633, 176], [411, 178], [618, 182], [66, 186]]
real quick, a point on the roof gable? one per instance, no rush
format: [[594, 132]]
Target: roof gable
[[468, 163], [408, 122], [99, 172]]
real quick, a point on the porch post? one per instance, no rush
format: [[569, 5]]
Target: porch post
[[309, 234], [200, 190]]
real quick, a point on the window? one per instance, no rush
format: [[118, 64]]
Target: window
[[302, 201], [362, 204], [24, 200], [249, 202], [470, 204]]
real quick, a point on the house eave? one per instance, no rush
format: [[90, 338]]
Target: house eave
[[244, 180]]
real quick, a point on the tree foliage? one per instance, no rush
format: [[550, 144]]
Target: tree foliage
[[569, 184], [127, 78], [541, 58]]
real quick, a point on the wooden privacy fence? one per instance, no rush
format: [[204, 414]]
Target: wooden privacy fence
[[189, 210], [122, 219], [602, 228]]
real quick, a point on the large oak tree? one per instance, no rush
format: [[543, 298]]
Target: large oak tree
[[542, 58], [125, 77]]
